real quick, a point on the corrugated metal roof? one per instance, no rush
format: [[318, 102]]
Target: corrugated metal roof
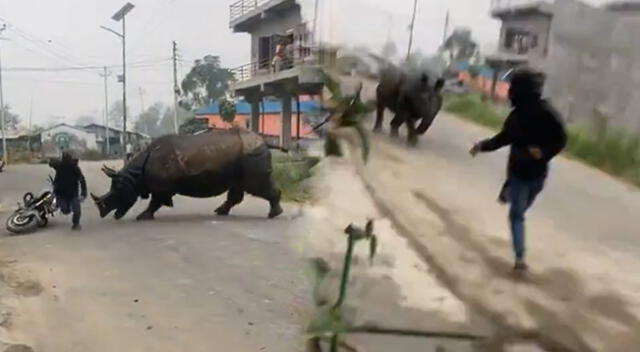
[[270, 107]]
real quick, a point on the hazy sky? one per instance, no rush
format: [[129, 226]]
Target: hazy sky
[[64, 33]]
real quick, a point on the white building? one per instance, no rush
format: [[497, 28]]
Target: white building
[[62, 136]]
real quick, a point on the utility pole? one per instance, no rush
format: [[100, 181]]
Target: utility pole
[[390, 24], [142, 109], [120, 16], [104, 75], [30, 119], [446, 28], [176, 89], [141, 92], [413, 22], [124, 88], [2, 110]]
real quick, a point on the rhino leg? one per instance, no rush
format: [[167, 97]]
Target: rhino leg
[[395, 124], [379, 113], [235, 195], [412, 137], [154, 205], [263, 187]]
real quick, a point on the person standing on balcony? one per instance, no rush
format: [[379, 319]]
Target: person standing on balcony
[[288, 54], [279, 56], [536, 134]]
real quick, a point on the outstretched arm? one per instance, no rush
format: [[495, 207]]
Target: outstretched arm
[[503, 138], [83, 184]]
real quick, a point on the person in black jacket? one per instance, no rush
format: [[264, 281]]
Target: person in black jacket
[[68, 180], [536, 134]]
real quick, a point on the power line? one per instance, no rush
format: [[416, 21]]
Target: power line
[[54, 49], [63, 57], [139, 64], [71, 82]]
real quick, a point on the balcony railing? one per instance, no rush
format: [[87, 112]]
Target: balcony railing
[[304, 56], [242, 7], [498, 5]]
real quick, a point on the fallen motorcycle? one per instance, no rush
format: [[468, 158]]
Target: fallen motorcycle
[[34, 212]]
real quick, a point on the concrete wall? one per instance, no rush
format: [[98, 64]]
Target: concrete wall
[[593, 67], [275, 24]]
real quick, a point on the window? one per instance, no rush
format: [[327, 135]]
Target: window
[[519, 40]]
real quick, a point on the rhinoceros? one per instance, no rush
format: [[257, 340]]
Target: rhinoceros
[[411, 97], [235, 161]]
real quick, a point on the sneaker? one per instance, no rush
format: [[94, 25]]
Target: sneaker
[[76, 227], [520, 266]]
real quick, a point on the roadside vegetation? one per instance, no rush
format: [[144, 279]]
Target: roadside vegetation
[[615, 152], [291, 173]]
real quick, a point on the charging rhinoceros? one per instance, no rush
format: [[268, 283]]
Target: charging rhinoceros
[[410, 96], [235, 161]]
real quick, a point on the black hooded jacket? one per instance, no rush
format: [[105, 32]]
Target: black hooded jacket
[[68, 179], [534, 124]]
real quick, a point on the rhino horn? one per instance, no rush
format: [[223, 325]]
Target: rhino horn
[[108, 171], [95, 198]]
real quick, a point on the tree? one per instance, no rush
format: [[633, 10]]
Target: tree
[[166, 123], [149, 121], [12, 120], [389, 50], [192, 126], [116, 113], [227, 110], [84, 120], [460, 45], [206, 82]]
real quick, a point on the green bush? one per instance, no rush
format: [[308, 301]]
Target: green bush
[[615, 152], [290, 174], [471, 107]]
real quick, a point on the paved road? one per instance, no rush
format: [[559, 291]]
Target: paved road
[[582, 235], [581, 202], [187, 282]]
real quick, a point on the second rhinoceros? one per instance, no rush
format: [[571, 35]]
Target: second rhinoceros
[[235, 161], [414, 101]]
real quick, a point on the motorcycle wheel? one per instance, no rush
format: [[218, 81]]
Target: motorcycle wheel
[[18, 224]]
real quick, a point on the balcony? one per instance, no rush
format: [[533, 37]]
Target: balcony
[[304, 67], [502, 8], [243, 11]]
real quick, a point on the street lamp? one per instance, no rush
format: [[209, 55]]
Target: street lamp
[[120, 17], [2, 111]]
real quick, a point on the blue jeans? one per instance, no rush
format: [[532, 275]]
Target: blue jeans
[[70, 205], [522, 193]]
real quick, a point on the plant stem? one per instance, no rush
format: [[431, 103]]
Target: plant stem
[[334, 343], [345, 273]]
